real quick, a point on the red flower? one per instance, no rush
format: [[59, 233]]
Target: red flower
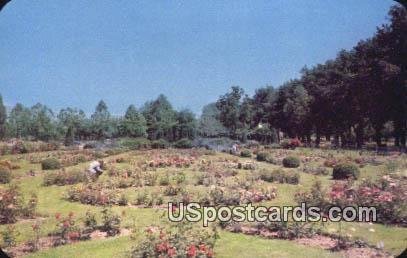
[[209, 253], [171, 252], [57, 215], [191, 251], [202, 247], [66, 224]]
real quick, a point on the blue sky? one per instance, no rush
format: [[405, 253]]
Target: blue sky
[[74, 53]]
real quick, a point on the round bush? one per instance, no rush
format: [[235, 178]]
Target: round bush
[[262, 156], [345, 171], [245, 153], [50, 163], [5, 175], [291, 162]]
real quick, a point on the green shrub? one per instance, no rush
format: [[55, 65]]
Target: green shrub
[[184, 143], [164, 180], [345, 171], [291, 162], [5, 175], [245, 154], [50, 163], [159, 144], [135, 143], [280, 176], [262, 156]]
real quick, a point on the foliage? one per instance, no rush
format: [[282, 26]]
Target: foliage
[[9, 236], [95, 194], [246, 153], [291, 162], [64, 177], [345, 171], [280, 176], [5, 175], [183, 143], [50, 164], [159, 144], [135, 143], [179, 240], [262, 156], [133, 124], [110, 222]]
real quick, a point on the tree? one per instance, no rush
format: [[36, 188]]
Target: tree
[[229, 107], [209, 125], [19, 121], [71, 122], [101, 122], [42, 126], [186, 124], [133, 124], [161, 119], [3, 118]]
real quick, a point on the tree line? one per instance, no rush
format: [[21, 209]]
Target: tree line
[[360, 94], [156, 120]]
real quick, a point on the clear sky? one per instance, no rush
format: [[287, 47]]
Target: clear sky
[[74, 53]]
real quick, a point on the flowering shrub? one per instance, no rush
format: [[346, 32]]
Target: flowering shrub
[[12, 205], [387, 195], [177, 161], [64, 177], [110, 222], [180, 240], [66, 230], [246, 166], [66, 158], [9, 236], [95, 194], [290, 143]]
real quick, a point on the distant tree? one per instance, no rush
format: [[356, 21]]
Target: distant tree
[[19, 121], [3, 118], [161, 119], [291, 109], [133, 123], [186, 124], [209, 124], [71, 122], [101, 122], [42, 126], [229, 107]]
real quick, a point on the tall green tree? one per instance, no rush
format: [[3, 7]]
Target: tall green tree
[[229, 107], [161, 119], [20, 121], [209, 124], [3, 118], [133, 123], [42, 125], [101, 122], [71, 122]]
